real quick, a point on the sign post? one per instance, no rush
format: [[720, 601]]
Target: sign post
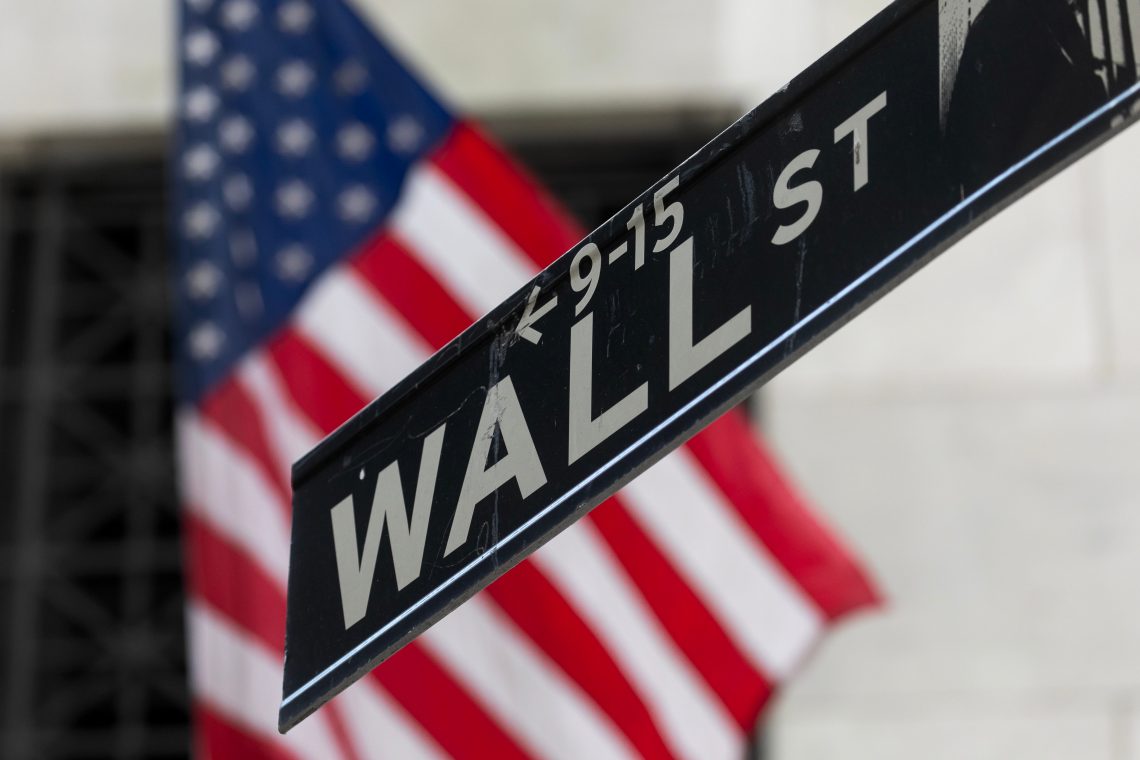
[[910, 134]]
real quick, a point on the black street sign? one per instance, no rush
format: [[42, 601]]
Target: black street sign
[[922, 125]]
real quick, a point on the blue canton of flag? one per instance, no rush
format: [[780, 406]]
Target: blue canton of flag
[[295, 140]]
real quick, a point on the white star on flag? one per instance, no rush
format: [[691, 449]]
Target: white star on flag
[[294, 138], [238, 192], [356, 204], [235, 134], [206, 341], [238, 73], [354, 142], [201, 104], [203, 281], [351, 78], [239, 15], [200, 163], [405, 134], [293, 263], [295, 16], [294, 79], [243, 248], [201, 47], [294, 199], [200, 221]]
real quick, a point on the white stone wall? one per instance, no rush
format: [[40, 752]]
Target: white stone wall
[[84, 66], [533, 55], [976, 435], [81, 66], [495, 55]]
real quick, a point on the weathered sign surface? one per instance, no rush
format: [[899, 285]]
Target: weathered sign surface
[[926, 122]]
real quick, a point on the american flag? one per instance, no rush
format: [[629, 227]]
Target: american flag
[[336, 225]]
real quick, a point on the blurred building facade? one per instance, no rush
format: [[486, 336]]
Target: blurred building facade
[[977, 434]]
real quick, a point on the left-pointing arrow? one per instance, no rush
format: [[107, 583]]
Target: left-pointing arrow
[[531, 315]]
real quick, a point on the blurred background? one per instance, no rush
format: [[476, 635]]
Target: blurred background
[[976, 435]]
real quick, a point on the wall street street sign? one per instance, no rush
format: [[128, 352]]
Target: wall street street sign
[[926, 122]]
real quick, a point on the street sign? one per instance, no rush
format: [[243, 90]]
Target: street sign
[[926, 122]]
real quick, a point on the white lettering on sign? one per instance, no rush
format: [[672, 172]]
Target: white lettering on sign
[[531, 315], [587, 282], [636, 225], [674, 212], [861, 149], [356, 571], [586, 266], [685, 357], [785, 197], [501, 410], [502, 418], [587, 431]]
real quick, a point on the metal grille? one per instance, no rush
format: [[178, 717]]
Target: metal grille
[[94, 656], [92, 635]]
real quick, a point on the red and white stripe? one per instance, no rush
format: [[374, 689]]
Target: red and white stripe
[[657, 627]]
